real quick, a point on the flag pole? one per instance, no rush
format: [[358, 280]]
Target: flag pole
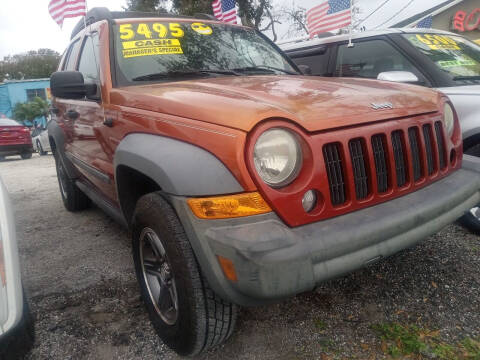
[[85, 16], [350, 44]]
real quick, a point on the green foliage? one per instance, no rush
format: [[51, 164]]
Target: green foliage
[[30, 110], [407, 340], [320, 325], [251, 12], [31, 65]]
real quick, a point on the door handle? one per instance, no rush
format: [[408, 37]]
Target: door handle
[[108, 122], [72, 114]]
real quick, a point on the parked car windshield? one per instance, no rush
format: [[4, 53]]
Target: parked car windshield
[[164, 50], [455, 55]]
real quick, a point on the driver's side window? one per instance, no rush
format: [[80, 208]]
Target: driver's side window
[[89, 59]]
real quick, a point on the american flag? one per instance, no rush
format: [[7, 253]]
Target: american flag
[[61, 9], [329, 15], [224, 10], [425, 23]]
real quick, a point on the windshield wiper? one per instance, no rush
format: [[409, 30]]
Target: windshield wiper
[[174, 74], [265, 69], [472, 77]]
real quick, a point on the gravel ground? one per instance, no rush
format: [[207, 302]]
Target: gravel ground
[[79, 278]]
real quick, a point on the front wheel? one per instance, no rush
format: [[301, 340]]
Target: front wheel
[[73, 198], [186, 314], [26, 155]]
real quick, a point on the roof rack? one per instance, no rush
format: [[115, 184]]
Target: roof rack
[[102, 13]]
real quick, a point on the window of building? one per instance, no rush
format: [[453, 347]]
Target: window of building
[[33, 93]]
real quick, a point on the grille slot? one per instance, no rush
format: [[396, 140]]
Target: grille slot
[[333, 161], [400, 168], [415, 150], [440, 144], [428, 148], [360, 177], [379, 154]]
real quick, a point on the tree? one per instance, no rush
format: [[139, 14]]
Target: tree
[[297, 18], [250, 11], [30, 110], [31, 65]]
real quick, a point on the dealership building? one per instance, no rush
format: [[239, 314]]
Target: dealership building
[[459, 16]]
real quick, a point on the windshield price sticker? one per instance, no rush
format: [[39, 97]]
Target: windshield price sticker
[[438, 42], [150, 31], [202, 28], [151, 47], [455, 63]]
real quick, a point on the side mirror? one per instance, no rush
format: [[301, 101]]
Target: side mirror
[[70, 85], [398, 76], [305, 69]]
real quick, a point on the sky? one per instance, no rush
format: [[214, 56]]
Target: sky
[[26, 24]]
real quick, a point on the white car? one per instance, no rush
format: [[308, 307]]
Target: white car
[[428, 57], [40, 141], [16, 324]]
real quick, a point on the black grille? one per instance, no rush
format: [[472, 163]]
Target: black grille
[[333, 161], [415, 150], [359, 168], [428, 148], [379, 154], [398, 154], [440, 144]]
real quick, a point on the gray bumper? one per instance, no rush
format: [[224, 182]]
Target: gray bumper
[[274, 261]]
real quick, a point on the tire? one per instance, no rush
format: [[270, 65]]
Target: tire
[[471, 220], [40, 149], [19, 341], [2, 157], [197, 318], [26, 155], [73, 198]]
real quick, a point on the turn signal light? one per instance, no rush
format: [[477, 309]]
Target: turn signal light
[[228, 268], [231, 206]]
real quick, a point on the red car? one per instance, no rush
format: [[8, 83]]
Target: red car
[[15, 139]]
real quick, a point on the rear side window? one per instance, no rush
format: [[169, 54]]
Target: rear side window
[[88, 64], [69, 63], [367, 59]]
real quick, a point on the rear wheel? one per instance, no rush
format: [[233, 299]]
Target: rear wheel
[[73, 198], [471, 220], [26, 155], [186, 314], [40, 148]]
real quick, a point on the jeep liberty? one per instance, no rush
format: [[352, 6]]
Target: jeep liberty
[[242, 181]]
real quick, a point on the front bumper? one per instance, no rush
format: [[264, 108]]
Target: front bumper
[[274, 261]]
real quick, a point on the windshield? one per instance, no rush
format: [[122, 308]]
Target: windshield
[[155, 51], [457, 56], [8, 122]]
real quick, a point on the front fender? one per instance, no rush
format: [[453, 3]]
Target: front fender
[[177, 167]]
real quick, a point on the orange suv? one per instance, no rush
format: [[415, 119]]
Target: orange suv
[[243, 181]]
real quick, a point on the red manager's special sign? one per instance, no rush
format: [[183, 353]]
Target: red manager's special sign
[[463, 21]]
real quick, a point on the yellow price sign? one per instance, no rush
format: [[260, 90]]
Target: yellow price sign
[[137, 48], [150, 30], [438, 42]]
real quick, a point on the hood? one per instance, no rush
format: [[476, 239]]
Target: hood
[[461, 90], [314, 103]]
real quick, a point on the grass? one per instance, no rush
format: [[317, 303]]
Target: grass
[[409, 340], [320, 325]]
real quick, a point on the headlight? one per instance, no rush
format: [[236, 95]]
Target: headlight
[[448, 118], [278, 157]]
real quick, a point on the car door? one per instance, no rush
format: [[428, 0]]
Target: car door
[[370, 57], [90, 151], [315, 57]]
